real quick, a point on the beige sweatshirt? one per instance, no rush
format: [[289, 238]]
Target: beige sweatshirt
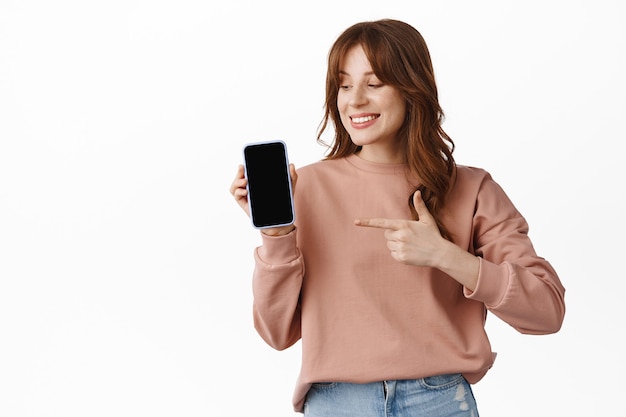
[[364, 317]]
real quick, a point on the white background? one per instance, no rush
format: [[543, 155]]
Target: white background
[[125, 264]]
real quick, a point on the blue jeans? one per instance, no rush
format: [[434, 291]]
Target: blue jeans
[[437, 396]]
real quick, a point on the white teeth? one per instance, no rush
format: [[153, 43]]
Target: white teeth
[[363, 119]]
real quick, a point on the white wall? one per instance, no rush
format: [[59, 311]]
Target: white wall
[[125, 264]]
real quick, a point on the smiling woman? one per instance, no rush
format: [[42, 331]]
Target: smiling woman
[[371, 111], [389, 286], [125, 267], [408, 91]]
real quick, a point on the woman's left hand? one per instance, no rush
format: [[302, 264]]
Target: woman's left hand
[[419, 242], [412, 242]]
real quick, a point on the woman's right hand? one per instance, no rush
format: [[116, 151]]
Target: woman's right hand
[[239, 190]]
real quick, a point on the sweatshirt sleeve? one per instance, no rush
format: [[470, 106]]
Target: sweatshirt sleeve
[[276, 284], [514, 283]]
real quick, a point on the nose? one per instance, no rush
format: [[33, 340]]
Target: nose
[[358, 96]]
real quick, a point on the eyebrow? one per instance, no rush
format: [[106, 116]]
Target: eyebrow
[[342, 72]]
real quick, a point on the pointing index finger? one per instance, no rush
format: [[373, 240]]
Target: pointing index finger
[[377, 223]]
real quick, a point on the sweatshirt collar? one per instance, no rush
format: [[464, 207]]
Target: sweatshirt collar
[[376, 167]]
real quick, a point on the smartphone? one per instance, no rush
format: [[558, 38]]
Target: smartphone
[[269, 184]]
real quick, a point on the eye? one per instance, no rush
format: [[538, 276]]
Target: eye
[[374, 82], [344, 87]]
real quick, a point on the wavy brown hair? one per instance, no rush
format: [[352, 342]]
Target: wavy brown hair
[[399, 57]]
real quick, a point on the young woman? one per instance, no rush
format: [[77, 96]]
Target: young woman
[[397, 253]]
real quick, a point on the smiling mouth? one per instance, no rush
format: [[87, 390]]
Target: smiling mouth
[[364, 119]]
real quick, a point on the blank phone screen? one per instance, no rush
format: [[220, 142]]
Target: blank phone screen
[[269, 188]]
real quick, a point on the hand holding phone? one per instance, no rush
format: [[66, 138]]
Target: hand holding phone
[[270, 194]]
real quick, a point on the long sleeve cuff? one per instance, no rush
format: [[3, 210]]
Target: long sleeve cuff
[[278, 250], [493, 283]]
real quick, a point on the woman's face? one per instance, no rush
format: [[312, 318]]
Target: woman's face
[[371, 112]]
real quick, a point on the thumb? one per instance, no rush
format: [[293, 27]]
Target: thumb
[[420, 207]]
